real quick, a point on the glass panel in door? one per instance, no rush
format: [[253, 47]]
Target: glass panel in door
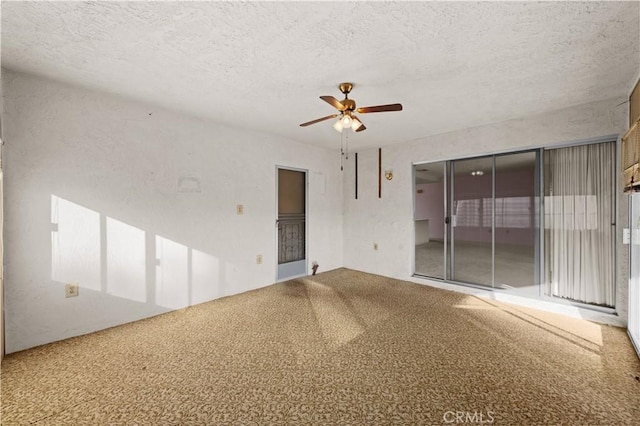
[[471, 221], [429, 219], [516, 222], [292, 187]]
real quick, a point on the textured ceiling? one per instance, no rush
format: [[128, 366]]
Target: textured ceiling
[[262, 65]]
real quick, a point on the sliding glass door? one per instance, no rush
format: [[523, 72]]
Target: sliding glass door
[[471, 221], [429, 217], [517, 222], [495, 222], [478, 221]]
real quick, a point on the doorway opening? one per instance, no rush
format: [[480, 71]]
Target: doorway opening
[[291, 223]]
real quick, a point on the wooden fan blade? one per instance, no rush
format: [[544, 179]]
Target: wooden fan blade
[[333, 102], [380, 108], [308, 123]]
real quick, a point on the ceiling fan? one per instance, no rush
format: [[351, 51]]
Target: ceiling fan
[[347, 108]]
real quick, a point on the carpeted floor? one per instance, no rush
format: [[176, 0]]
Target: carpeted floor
[[342, 347]]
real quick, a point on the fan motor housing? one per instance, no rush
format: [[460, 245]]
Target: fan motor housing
[[349, 104]]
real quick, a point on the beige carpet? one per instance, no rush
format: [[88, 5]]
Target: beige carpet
[[340, 348]]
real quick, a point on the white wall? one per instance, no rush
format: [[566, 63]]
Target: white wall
[[93, 194], [389, 220]]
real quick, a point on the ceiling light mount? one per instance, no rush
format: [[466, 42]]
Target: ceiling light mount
[[345, 88]]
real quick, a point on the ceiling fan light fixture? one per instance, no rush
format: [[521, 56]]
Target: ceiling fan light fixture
[[346, 120], [338, 126], [356, 124]]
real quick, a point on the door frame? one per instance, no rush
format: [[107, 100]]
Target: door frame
[[306, 221]]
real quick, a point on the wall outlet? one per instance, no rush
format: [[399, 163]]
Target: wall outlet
[[375, 246], [71, 290], [240, 209], [259, 259]]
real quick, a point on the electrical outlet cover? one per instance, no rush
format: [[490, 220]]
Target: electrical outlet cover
[[71, 290]]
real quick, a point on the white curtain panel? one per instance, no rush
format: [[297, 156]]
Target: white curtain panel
[[579, 217]]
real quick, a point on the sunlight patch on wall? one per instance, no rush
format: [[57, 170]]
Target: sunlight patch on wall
[[126, 261], [106, 255], [205, 276], [172, 274], [75, 244]]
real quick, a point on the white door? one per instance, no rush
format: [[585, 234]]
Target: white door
[[634, 272], [291, 224], [1, 262]]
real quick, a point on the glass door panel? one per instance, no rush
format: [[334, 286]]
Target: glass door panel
[[471, 221], [516, 232], [429, 217]]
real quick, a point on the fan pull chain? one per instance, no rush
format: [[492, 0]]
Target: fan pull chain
[[342, 151], [347, 144]]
